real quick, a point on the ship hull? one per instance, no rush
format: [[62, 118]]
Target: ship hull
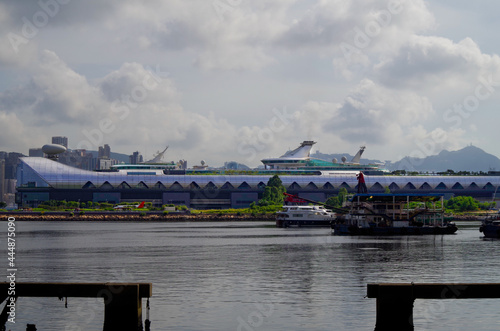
[[490, 231], [344, 229], [302, 223]]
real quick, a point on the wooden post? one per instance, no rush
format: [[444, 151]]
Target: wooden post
[[122, 301], [123, 309], [394, 308], [395, 301]]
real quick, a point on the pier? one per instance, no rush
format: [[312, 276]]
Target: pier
[[122, 301], [395, 301]]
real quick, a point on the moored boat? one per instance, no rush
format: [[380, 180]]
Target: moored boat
[[393, 214], [490, 228], [293, 215]]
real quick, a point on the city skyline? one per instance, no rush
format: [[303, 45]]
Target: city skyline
[[241, 81]]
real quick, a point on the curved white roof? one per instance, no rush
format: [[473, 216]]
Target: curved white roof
[[48, 173]]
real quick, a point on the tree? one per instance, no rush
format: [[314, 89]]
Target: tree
[[342, 195], [72, 204], [273, 193], [337, 201], [462, 203], [332, 201], [3, 204]]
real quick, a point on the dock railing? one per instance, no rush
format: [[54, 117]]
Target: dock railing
[[122, 301], [395, 301]]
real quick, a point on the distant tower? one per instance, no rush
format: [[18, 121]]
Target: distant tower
[[60, 141], [35, 152], [104, 152], [2, 179], [135, 158]]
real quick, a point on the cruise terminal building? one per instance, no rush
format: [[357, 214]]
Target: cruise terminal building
[[41, 179]]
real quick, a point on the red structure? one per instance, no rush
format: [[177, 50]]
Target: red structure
[[361, 183], [293, 199]]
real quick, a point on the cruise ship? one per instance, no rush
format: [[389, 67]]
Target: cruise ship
[[295, 161], [300, 159]]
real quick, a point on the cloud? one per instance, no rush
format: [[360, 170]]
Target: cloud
[[54, 95], [17, 134], [130, 108], [375, 114], [241, 63], [234, 38], [436, 61], [134, 82], [329, 23], [12, 40]]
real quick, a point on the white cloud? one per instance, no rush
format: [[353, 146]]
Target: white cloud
[[128, 109], [354, 31], [254, 57], [55, 95], [436, 61], [375, 114], [15, 136]]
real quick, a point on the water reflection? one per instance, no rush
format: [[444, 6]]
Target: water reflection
[[225, 276]]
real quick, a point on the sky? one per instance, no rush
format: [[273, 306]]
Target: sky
[[241, 80]]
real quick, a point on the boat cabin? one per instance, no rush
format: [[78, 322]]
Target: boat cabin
[[395, 210]]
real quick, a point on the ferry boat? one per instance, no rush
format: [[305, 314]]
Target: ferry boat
[[393, 214], [294, 215]]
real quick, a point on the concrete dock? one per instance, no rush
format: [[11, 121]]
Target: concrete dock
[[122, 301], [395, 301]]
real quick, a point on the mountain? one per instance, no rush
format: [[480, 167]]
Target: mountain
[[233, 165], [470, 158]]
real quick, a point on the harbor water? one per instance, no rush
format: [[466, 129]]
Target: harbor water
[[248, 275]]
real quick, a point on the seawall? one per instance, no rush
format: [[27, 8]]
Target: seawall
[[122, 217]]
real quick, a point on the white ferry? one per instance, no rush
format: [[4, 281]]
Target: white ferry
[[304, 216]]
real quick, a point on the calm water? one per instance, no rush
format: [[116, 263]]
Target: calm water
[[248, 276]]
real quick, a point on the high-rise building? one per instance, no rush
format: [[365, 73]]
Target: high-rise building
[[2, 179], [135, 158], [11, 162], [104, 152], [60, 141], [78, 158], [105, 164], [35, 152]]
